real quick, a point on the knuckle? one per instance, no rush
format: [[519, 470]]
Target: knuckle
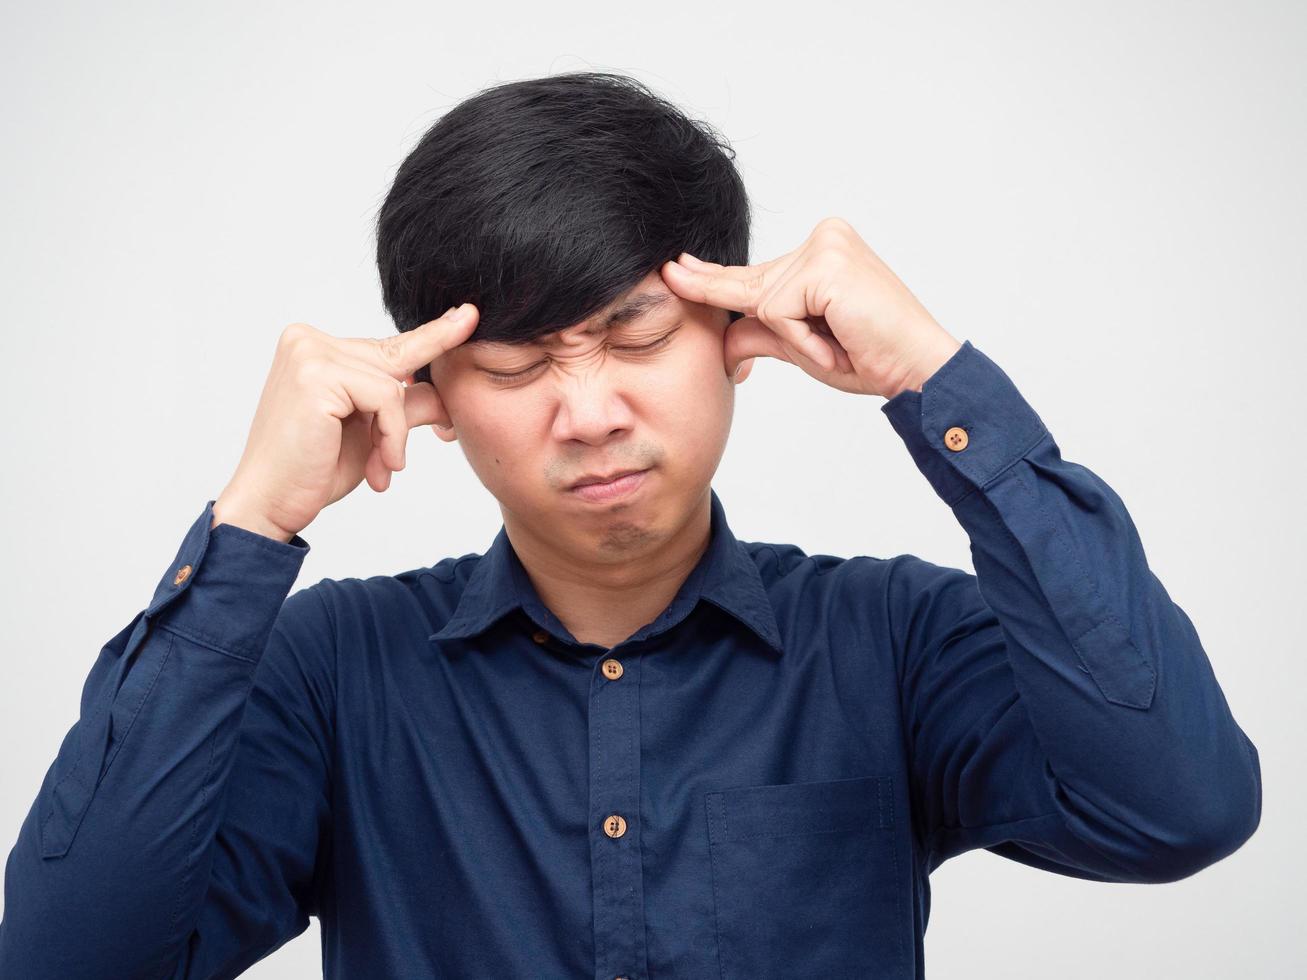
[[391, 348], [833, 225], [294, 334], [832, 231]]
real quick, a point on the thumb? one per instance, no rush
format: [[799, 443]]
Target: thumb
[[747, 338]]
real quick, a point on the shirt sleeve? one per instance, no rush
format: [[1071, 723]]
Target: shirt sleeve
[[1060, 707], [176, 833]]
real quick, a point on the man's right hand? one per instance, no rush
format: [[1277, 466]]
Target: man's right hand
[[333, 411]]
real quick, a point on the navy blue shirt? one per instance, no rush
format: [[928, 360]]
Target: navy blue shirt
[[756, 784]]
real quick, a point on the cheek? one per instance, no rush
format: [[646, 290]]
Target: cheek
[[699, 382], [696, 401], [495, 433]]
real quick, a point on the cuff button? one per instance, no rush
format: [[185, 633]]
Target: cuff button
[[956, 439]]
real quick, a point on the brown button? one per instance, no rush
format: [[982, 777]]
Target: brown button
[[956, 439], [182, 575], [540, 636], [614, 825], [612, 669]]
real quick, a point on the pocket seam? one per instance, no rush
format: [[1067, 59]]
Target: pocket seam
[[799, 796], [716, 901], [806, 833]]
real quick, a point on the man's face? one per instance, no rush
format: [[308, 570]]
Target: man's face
[[587, 400]]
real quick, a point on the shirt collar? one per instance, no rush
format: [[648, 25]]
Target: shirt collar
[[725, 575]]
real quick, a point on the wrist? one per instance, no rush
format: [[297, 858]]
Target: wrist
[[925, 364], [229, 511]]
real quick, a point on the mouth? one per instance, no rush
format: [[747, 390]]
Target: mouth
[[599, 491], [592, 480]]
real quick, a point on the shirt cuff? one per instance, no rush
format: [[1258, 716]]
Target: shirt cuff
[[226, 585], [966, 425]]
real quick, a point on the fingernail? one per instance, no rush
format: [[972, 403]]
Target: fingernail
[[688, 259]]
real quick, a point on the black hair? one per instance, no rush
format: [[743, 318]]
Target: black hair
[[543, 200]]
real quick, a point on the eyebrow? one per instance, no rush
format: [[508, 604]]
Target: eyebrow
[[631, 309]]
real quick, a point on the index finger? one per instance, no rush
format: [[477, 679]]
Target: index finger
[[404, 353], [731, 287]]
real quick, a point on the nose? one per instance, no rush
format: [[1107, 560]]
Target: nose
[[592, 407]]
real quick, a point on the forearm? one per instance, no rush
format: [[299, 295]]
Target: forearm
[[113, 858], [1146, 762]]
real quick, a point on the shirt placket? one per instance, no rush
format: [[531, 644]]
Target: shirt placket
[[619, 936]]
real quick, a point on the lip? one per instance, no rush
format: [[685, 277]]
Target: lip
[[613, 490], [618, 473]]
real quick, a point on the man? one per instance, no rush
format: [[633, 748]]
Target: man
[[621, 743]]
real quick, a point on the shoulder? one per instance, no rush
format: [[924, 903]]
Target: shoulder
[[788, 565], [889, 592], [418, 599]]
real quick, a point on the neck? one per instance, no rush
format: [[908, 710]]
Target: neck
[[606, 586]]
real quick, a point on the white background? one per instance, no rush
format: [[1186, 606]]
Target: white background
[[1107, 199]]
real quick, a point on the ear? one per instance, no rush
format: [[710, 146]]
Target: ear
[[443, 426], [424, 406], [744, 340]]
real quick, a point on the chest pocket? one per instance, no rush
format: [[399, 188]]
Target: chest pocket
[[806, 880]]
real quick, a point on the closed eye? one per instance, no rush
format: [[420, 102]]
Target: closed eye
[[501, 378]]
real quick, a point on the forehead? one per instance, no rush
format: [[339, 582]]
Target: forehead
[[633, 306]]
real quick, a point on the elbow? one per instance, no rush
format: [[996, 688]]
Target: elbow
[[1197, 851], [1209, 828]]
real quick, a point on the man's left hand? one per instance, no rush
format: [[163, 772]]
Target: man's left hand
[[831, 306]]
